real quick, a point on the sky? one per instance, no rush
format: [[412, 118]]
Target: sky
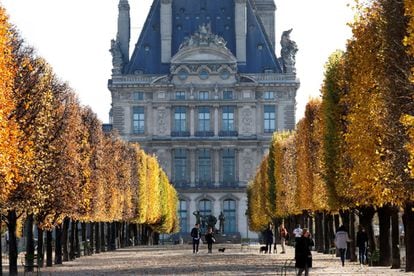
[[74, 37]]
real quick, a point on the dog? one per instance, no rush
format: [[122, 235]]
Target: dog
[[263, 249], [221, 249]]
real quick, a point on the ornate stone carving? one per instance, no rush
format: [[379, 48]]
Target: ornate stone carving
[[117, 61], [288, 52], [162, 121], [247, 120], [204, 37], [247, 165]]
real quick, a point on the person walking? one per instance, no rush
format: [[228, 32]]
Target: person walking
[[303, 255], [196, 234], [297, 232], [268, 238], [341, 240], [362, 241], [283, 233], [210, 239]]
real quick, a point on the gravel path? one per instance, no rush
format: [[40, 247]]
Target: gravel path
[[179, 260]]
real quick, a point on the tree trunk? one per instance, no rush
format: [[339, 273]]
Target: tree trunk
[[12, 220], [352, 236], [90, 238], [72, 241], [384, 216], [395, 233], [135, 230], [1, 245], [408, 219], [77, 243], [336, 221], [112, 236], [319, 232], [40, 250], [58, 244], [30, 247], [327, 232], [103, 242], [65, 236], [49, 249], [366, 215], [97, 238], [84, 242]]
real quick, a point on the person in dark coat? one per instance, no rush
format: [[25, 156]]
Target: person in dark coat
[[303, 255], [268, 238], [196, 234], [362, 241], [210, 239]]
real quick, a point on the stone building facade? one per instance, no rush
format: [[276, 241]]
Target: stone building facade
[[203, 90]]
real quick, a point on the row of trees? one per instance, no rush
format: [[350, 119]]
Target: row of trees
[[56, 163], [353, 152]]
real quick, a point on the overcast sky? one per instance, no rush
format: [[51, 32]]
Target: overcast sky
[[74, 37]]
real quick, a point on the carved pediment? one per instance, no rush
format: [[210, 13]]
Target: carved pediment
[[204, 47]]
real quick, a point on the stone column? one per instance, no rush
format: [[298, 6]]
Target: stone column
[[166, 30], [216, 152], [192, 120], [240, 25], [192, 166], [216, 120]]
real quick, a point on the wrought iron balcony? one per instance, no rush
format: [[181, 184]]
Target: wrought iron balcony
[[228, 133]]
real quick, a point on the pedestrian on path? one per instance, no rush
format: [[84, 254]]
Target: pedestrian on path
[[268, 237], [210, 239], [297, 233], [196, 234], [362, 241], [341, 240], [303, 255], [283, 233]]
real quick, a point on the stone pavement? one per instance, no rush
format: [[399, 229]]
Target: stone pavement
[[179, 260]]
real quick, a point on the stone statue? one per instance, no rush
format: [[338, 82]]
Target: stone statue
[[198, 216], [221, 222], [288, 52], [211, 221], [117, 61]]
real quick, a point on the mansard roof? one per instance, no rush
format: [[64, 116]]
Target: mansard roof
[[187, 16]]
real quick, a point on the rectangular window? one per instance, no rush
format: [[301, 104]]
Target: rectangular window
[[204, 166], [180, 122], [138, 96], [182, 214], [180, 95], [229, 165], [203, 95], [269, 118], [180, 166], [269, 95], [203, 119], [138, 120], [228, 95], [228, 118]]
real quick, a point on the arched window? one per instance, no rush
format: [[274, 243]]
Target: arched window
[[182, 214], [229, 210]]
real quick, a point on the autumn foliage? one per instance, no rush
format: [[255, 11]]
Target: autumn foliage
[[55, 160]]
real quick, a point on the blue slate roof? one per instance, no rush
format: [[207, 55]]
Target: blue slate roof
[[188, 15]]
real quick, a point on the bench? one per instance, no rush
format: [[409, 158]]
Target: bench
[[29, 263]]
